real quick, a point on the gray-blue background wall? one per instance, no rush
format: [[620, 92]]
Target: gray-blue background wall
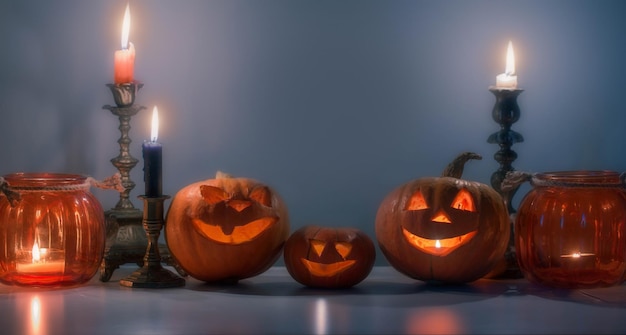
[[332, 103]]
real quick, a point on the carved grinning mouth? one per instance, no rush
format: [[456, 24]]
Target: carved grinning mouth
[[326, 270], [441, 247], [239, 234]]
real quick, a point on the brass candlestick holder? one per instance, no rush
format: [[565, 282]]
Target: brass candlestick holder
[[124, 96], [506, 112], [125, 236], [152, 274]]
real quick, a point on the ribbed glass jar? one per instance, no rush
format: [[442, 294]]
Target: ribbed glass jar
[[570, 229], [54, 235]]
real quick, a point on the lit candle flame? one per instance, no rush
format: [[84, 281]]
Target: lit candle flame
[[126, 28], [578, 254], [510, 60], [155, 125], [437, 244], [36, 255]]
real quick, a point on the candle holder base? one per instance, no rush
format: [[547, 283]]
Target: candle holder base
[[152, 274], [126, 242]]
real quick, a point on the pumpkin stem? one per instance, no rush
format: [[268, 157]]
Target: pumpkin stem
[[455, 169], [222, 175]]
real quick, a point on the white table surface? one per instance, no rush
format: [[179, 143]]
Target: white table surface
[[273, 303]]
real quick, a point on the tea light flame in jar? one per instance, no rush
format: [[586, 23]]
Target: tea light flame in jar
[[578, 260], [36, 254], [578, 254], [437, 244]]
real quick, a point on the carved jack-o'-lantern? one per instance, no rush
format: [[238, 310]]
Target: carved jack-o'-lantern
[[226, 229], [329, 257], [443, 228]]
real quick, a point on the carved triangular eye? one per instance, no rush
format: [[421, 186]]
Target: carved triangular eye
[[464, 201], [262, 195], [318, 246], [416, 202], [343, 248], [213, 195]]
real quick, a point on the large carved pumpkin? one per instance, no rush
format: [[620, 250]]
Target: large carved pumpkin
[[443, 229], [226, 229], [329, 257]]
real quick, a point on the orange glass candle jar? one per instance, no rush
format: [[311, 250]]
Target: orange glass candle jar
[[570, 229], [53, 234]]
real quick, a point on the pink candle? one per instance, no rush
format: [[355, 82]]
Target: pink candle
[[125, 59]]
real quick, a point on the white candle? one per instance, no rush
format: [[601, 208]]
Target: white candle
[[508, 79], [53, 267]]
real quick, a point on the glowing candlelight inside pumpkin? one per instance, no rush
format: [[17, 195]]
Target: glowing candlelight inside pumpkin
[[125, 58], [508, 79], [437, 244]]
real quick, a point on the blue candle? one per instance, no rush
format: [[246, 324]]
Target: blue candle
[[152, 160]]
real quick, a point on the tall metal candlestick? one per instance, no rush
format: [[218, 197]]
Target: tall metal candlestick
[[125, 109], [506, 112], [125, 236], [152, 274]]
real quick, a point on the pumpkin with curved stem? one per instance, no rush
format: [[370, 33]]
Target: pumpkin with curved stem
[[443, 229], [226, 229], [329, 257]]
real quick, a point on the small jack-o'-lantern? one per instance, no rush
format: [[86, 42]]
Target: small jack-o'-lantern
[[329, 257], [226, 229], [443, 229]]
